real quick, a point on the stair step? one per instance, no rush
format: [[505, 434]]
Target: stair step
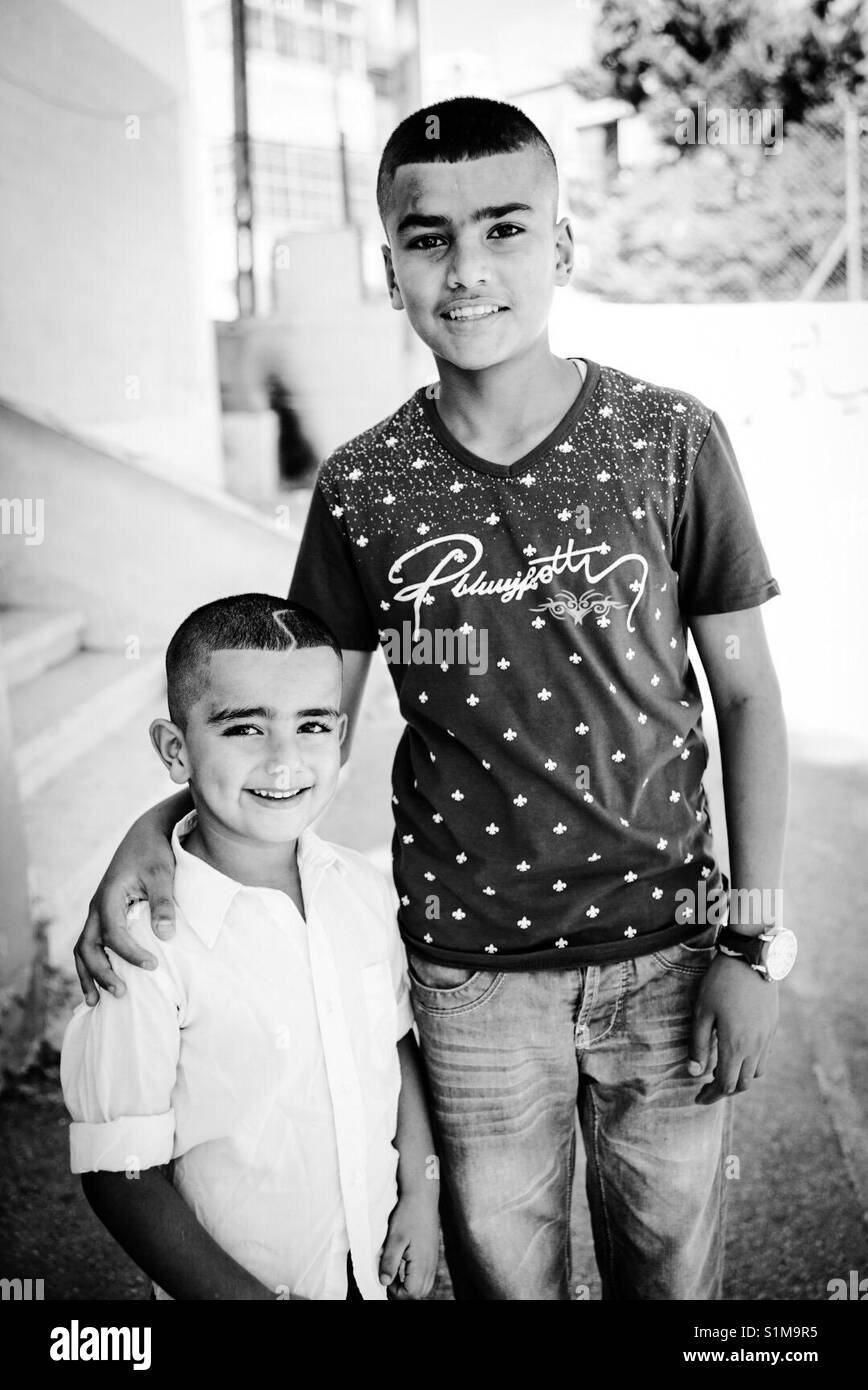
[[34, 639], [70, 709], [76, 822]]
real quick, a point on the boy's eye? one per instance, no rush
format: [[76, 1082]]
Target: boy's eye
[[315, 726], [503, 230], [426, 243], [239, 730]]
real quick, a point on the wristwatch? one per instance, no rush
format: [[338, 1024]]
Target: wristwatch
[[772, 954]]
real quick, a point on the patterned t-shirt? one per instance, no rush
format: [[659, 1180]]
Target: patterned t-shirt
[[547, 789]]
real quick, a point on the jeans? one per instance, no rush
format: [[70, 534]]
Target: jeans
[[509, 1057]]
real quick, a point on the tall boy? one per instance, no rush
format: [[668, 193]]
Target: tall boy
[[550, 813], [270, 1057]]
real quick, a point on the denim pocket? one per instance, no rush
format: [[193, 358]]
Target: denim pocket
[[436, 987], [693, 956]]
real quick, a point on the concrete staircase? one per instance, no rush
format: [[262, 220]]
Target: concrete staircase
[[84, 763]]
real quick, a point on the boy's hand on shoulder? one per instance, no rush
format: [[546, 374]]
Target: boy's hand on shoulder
[[142, 870], [408, 1264], [742, 1009]]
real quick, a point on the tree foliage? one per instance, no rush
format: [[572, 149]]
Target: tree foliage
[[661, 55], [725, 226]]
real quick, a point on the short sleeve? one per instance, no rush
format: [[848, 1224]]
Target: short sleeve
[[326, 580], [118, 1068], [718, 555]]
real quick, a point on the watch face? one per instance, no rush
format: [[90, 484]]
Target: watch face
[[781, 955]]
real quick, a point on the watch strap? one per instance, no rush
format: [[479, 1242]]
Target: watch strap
[[749, 948]]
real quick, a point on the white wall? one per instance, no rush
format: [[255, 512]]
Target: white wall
[[791, 384], [100, 261]]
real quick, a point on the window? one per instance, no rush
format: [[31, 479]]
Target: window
[[312, 44], [344, 51], [257, 27], [297, 186], [314, 31], [286, 38]]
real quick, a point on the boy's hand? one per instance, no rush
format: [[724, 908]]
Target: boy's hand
[[742, 1009], [143, 867], [408, 1264]]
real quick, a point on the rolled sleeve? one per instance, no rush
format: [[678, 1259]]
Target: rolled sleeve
[[119, 1066], [127, 1145]]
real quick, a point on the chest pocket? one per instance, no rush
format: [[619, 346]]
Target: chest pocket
[[381, 1012]]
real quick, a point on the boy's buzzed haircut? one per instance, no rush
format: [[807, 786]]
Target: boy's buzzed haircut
[[243, 622], [452, 131]]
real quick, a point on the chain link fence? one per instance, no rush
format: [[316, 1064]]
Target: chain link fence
[[732, 223]]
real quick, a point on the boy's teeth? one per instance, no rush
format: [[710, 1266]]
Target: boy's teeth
[[276, 796], [473, 311]]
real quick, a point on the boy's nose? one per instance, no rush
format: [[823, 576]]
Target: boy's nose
[[468, 266], [284, 766]]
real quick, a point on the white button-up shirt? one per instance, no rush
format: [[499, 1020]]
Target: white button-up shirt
[[260, 1056]]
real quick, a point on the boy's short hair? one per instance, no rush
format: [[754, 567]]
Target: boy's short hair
[[454, 130], [243, 622]]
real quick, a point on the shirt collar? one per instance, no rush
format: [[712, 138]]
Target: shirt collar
[[205, 895]]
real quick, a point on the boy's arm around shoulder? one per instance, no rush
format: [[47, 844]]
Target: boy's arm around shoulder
[[142, 867], [734, 1001]]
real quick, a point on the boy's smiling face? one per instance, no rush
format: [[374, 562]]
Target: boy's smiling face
[[261, 747], [475, 254]]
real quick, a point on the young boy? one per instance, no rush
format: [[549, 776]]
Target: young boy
[[233, 1113], [551, 821]]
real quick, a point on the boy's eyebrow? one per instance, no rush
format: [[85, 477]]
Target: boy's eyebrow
[[486, 214], [225, 716]]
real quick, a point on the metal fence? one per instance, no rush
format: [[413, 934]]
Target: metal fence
[[735, 222]]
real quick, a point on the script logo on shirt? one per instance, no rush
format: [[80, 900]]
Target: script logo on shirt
[[456, 557]]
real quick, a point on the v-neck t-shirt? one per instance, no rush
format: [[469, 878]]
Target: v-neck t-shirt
[[547, 788]]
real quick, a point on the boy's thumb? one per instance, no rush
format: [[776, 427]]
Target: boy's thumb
[[700, 1043], [390, 1259]]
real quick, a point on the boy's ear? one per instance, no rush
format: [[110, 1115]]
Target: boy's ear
[[565, 251], [168, 740], [343, 721], [391, 282]]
